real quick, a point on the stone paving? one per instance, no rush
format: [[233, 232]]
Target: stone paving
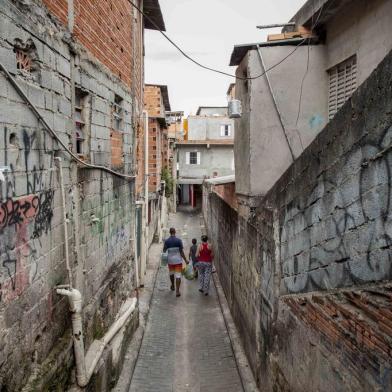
[[186, 347]]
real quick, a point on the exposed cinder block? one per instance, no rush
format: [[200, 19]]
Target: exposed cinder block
[[15, 113], [8, 59], [37, 96], [57, 84], [46, 79], [63, 67]]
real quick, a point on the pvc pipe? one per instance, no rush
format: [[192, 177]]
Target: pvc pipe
[[75, 302], [59, 160], [85, 365], [112, 332]]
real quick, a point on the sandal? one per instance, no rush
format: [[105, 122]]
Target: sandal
[[178, 295]]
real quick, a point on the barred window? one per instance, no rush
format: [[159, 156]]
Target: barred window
[[342, 84], [81, 108], [117, 113]]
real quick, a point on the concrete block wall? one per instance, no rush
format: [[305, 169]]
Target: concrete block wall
[[308, 275], [36, 348]]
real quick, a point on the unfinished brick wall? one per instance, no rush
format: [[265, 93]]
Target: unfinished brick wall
[[59, 8], [153, 102], [104, 28], [227, 193], [154, 155], [317, 251], [140, 160]]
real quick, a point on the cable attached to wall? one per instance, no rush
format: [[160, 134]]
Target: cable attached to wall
[[54, 134], [205, 66]]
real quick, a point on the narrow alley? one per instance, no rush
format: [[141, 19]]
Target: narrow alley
[[186, 346], [267, 128]]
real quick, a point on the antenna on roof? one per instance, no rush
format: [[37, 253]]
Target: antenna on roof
[[272, 26]]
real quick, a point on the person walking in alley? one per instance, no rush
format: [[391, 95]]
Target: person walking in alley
[[175, 253], [204, 255], [192, 256]]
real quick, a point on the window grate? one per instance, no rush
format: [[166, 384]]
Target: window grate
[[342, 84]]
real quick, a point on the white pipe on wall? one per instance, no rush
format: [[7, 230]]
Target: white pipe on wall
[[85, 365], [75, 302], [143, 261], [65, 221]]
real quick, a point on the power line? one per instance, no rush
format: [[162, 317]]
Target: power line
[[202, 65], [307, 70]]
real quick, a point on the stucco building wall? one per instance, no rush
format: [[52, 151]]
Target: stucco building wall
[[263, 149], [208, 128], [347, 28], [214, 161]]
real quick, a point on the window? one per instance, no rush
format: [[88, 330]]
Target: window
[[26, 57], [193, 158], [81, 99], [225, 130], [117, 113], [342, 84]]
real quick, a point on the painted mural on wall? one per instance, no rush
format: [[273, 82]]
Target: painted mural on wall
[[23, 219]]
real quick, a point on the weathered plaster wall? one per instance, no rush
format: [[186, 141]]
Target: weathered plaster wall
[[308, 277], [362, 28], [35, 348], [208, 128], [259, 129], [215, 159]]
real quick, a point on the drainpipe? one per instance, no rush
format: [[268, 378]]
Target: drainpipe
[[162, 220], [144, 250], [65, 221], [86, 364]]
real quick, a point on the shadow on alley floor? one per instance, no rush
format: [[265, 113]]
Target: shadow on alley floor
[[186, 346]]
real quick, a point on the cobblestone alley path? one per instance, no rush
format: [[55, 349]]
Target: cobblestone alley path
[[186, 346]]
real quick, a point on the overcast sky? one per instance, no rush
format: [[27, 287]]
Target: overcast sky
[[208, 31]]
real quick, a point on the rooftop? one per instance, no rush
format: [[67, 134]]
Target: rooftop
[[153, 10], [221, 180], [318, 10], [240, 51], [209, 108], [216, 142]]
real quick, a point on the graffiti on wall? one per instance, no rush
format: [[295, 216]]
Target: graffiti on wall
[[340, 233], [24, 219]]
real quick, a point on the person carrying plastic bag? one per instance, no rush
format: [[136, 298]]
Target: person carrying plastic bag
[[175, 253]]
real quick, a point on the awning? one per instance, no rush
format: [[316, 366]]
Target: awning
[[221, 180], [190, 181]]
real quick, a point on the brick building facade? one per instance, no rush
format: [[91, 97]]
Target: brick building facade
[[82, 68]]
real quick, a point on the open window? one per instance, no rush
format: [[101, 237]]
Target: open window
[[117, 113], [81, 116]]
